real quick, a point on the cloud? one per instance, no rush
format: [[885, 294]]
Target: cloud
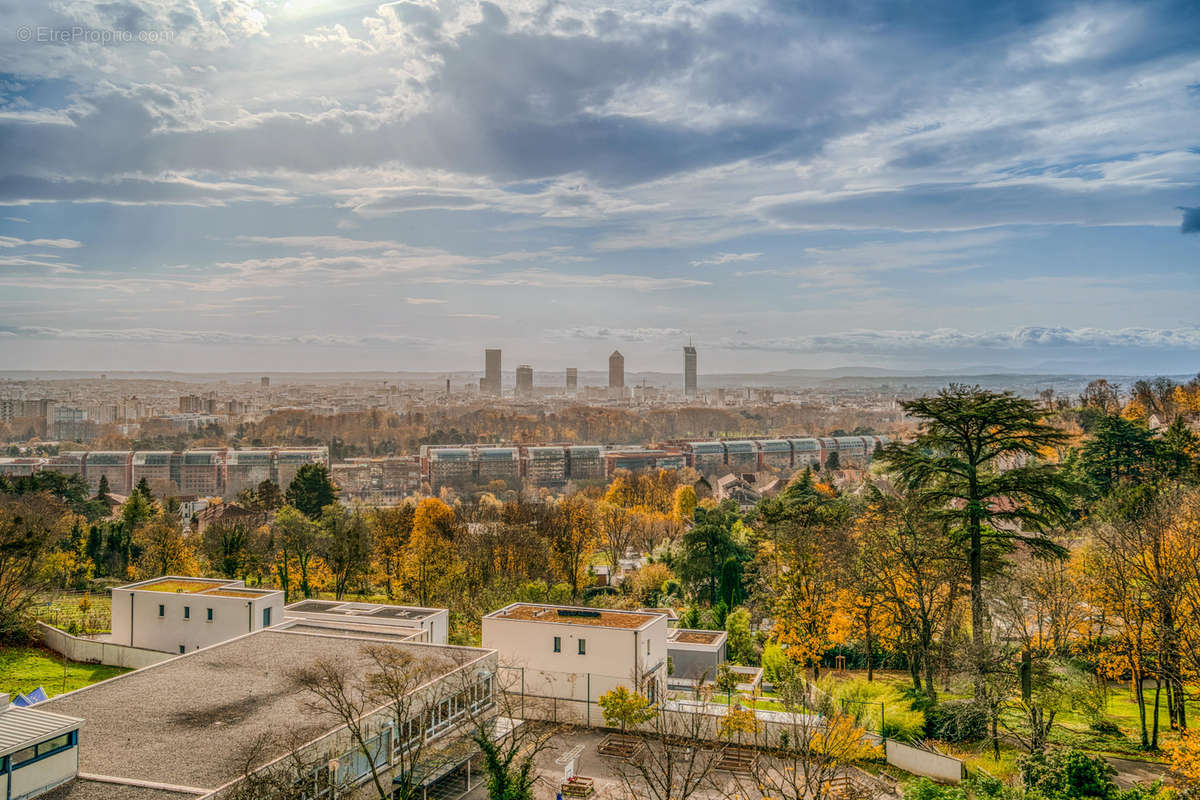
[[173, 336], [12, 241], [16, 219], [421, 301], [596, 333], [1191, 220], [900, 342], [544, 278], [725, 258], [473, 316]]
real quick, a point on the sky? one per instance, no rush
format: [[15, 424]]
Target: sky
[[314, 185]]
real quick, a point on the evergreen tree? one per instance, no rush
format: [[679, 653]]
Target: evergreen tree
[[102, 489], [974, 464], [311, 490]]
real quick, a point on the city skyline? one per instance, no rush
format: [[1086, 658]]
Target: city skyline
[[787, 187]]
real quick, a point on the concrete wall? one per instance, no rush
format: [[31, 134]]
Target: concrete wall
[[90, 651], [136, 621], [923, 762], [33, 779]]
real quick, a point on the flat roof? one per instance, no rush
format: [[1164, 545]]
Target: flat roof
[[205, 587], [87, 789], [22, 726], [576, 615], [692, 636], [376, 611], [195, 719]]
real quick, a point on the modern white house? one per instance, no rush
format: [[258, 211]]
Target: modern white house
[[38, 750], [422, 624], [571, 653], [178, 615]]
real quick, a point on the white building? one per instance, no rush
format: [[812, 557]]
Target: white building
[[38, 750], [179, 615], [695, 654], [579, 654], [422, 624]]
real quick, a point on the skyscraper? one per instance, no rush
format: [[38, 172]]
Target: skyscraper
[[524, 380], [616, 371], [572, 380], [689, 371], [491, 373]]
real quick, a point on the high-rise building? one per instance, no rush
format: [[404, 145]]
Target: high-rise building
[[689, 371], [264, 381], [616, 370], [491, 372], [572, 380], [524, 380]]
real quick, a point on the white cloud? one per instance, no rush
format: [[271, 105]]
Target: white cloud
[[725, 258], [421, 301]]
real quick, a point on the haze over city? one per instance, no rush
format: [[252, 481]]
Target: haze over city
[[319, 186]]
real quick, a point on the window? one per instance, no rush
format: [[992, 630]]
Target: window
[[162, 610], [647, 647], [266, 617], [187, 612], [558, 644], [209, 615], [181, 649], [24, 756], [583, 647]]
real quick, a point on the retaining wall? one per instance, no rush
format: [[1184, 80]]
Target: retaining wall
[[92, 651]]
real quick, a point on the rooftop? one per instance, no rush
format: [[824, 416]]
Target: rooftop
[[573, 615], [372, 611], [21, 727], [194, 720], [691, 636]]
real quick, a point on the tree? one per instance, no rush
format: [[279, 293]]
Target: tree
[[297, 541], [705, 548], [164, 550], [1119, 450], [671, 765], [347, 546], [811, 750], [918, 569], [739, 641], [974, 463], [390, 531], [428, 563], [227, 547], [28, 527], [102, 489], [625, 708], [617, 529], [311, 490], [569, 529]]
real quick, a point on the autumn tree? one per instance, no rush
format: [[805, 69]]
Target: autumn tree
[[390, 530]]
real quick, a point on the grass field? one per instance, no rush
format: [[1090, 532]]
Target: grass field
[[23, 669]]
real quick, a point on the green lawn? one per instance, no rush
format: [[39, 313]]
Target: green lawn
[[23, 669]]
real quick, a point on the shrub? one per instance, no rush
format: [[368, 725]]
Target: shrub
[[1068, 774], [956, 721], [1105, 727]]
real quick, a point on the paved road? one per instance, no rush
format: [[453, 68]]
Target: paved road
[[1130, 771]]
